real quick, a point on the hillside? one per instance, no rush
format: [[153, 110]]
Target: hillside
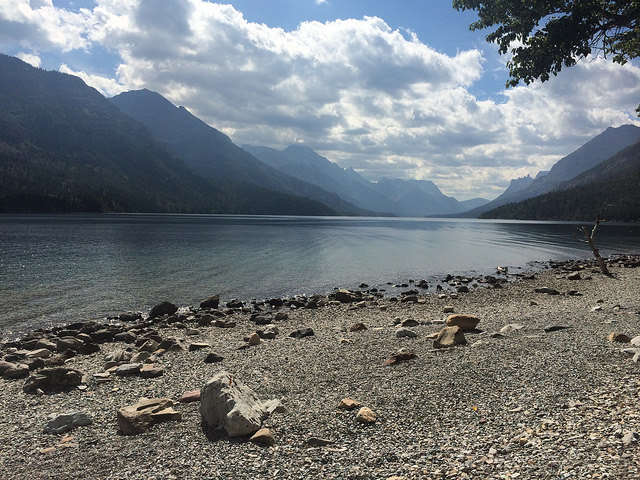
[[306, 165], [64, 147], [615, 182], [213, 155], [595, 151]]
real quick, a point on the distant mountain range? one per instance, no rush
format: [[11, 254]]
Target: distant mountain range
[[404, 198]]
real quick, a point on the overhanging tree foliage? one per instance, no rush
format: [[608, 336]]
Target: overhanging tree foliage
[[546, 35]]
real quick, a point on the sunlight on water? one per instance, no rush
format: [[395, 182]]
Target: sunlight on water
[[66, 268]]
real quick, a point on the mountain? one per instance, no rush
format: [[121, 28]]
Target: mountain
[[614, 182], [473, 203], [598, 149], [213, 155], [64, 147], [398, 197], [417, 198], [305, 164]]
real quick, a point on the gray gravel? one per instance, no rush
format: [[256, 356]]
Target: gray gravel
[[527, 405]]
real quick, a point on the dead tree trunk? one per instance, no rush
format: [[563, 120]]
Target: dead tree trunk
[[589, 235]]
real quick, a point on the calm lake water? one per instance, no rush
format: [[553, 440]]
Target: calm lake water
[[65, 268]]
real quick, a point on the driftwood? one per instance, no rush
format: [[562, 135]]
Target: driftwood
[[589, 235]]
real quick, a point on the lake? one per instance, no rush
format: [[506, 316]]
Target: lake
[[65, 268]]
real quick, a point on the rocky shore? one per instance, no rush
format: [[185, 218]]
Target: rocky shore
[[482, 378]]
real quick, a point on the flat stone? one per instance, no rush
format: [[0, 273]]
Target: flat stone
[[151, 371], [14, 371], [357, 327], [547, 290], [409, 322], [635, 341], [135, 419], [511, 327], [466, 322], [198, 346], [405, 332], [39, 353], [348, 404], [317, 442], [554, 328], [401, 356], [302, 332], [619, 337], [66, 421], [263, 437], [128, 369], [190, 396], [366, 415], [213, 358]]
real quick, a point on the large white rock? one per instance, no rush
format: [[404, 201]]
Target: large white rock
[[226, 402]]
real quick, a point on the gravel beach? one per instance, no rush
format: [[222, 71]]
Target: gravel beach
[[550, 397]]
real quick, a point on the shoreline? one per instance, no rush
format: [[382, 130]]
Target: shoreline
[[531, 402], [436, 284]]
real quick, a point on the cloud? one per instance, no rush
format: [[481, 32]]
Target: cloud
[[32, 59], [358, 91], [38, 25]]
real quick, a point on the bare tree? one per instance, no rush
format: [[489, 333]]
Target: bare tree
[[589, 235]]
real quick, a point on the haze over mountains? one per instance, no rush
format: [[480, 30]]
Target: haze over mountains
[[64, 147]]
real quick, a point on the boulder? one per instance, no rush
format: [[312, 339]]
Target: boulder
[[163, 308], [466, 322], [449, 337], [226, 402], [52, 379], [212, 302], [134, 419], [357, 327], [66, 421], [253, 339]]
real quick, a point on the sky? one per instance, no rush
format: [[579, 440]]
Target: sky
[[392, 88]]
